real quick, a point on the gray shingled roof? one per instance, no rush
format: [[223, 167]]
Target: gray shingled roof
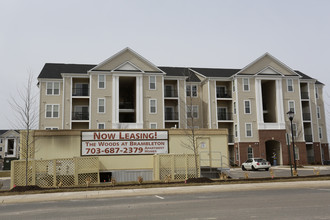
[[54, 70]]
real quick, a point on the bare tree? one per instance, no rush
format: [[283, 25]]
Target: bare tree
[[26, 116], [190, 121]]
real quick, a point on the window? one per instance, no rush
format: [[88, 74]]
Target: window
[[100, 125], [0, 150], [320, 133], [153, 125], [191, 90], [237, 154], [294, 129], [290, 85], [250, 152], [246, 86], [318, 112], [317, 92], [53, 88], [247, 107], [51, 128], [233, 83], [291, 106], [248, 130], [192, 111], [234, 108], [152, 82], [101, 106], [236, 132], [1, 140], [52, 111], [221, 92], [101, 83], [153, 106], [296, 149]]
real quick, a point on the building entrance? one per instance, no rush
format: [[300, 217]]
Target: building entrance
[[274, 152]]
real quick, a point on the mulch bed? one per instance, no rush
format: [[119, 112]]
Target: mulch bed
[[25, 188]]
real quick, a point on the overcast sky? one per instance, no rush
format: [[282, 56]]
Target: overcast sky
[[224, 34]]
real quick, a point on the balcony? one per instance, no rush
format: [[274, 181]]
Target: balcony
[[126, 105], [309, 138], [170, 93], [80, 116], [304, 95], [170, 116], [230, 139], [306, 116], [225, 116], [80, 92], [224, 94]]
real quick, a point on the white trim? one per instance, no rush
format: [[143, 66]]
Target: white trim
[[150, 112], [154, 83], [90, 102], [100, 123], [98, 106], [247, 130], [98, 81], [123, 64], [209, 105], [287, 85], [53, 88], [294, 106], [250, 109], [152, 123], [52, 110], [270, 74], [248, 84]]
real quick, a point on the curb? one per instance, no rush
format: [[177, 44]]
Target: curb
[[159, 191]]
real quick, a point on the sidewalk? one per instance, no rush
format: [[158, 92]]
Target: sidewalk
[[158, 191]]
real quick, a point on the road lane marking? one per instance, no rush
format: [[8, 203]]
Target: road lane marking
[[159, 197]]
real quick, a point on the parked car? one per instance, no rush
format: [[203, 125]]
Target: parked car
[[256, 164]]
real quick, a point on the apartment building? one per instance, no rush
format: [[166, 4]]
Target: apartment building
[[127, 91]]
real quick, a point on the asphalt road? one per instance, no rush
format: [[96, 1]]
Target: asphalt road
[[299, 203]]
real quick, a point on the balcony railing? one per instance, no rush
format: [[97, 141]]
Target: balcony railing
[[230, 138], [80, 116], [226, 94], [126, 105], [309, 138], [80, 92], [170, 93], [304, 95], [171, 116], [306, 116], [225, 116]]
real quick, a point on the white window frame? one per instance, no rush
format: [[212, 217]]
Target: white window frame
[[233, 85], [151, 124], [296, 149], [194, 110], [53, 88], [189, 90], [320, 132], [152, 81], [289, 106], [245, 107], [99, 81], [317, 92], [248, 84], [151, 106], [52, 106], [294, 129], [51, 128], [99, 124], [98, 106], [234, 107], [250, 154], [236, 130], [318, 112], [246, 130], [290, 86], [1, 140]]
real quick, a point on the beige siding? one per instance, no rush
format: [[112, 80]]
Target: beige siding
[[153, 94]]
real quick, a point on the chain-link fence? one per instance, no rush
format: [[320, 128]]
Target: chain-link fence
[[56, 173], [176, 167]]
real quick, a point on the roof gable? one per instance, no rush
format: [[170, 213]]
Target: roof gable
[[264, 62], [126, 59]]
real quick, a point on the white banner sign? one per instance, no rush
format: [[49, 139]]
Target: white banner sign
[[124, 143]]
